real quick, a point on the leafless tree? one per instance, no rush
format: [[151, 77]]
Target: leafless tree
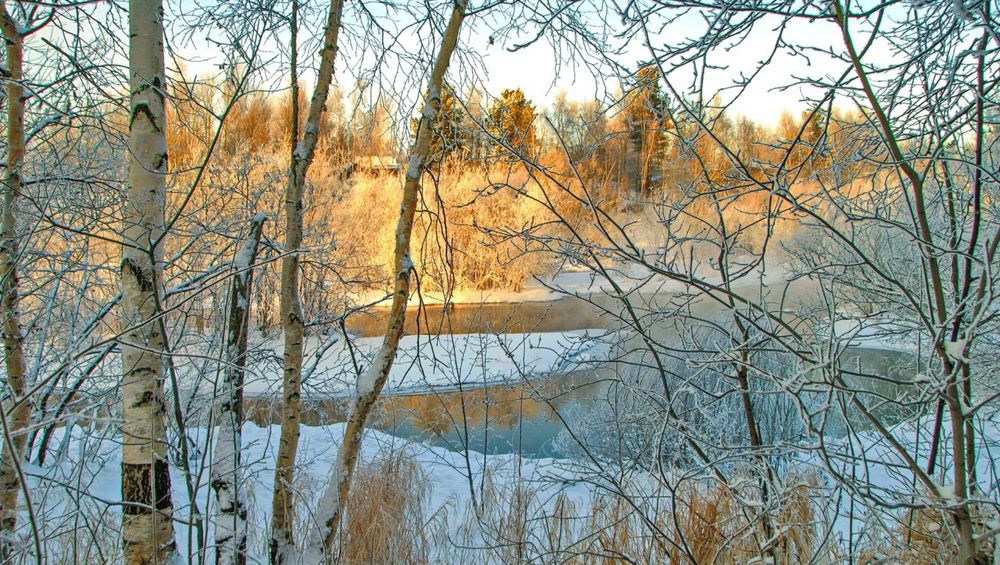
[[891, 243], [231, 509], [147, 526], [283, 512], [370, 382]]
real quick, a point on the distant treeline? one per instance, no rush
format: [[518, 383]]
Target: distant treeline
[[639, 144]]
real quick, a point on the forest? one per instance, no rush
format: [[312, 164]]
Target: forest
[[303, 282]]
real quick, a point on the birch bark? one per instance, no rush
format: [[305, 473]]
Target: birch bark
[[147, 531], [17, 413], [283, 508], [230, 500], [371, 381]]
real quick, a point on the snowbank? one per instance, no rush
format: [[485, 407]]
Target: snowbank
[[440, 362], [84, 480]]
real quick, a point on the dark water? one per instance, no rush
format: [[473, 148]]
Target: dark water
[[558, 315], [525, 417]]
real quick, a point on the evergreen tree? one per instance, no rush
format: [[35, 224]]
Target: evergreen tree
[[512, 122]]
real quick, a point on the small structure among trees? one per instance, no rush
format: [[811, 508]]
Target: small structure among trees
[[375, 164]]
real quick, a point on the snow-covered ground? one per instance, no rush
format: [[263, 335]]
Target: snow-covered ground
[[87, 473], [82, 483], [873, 461]]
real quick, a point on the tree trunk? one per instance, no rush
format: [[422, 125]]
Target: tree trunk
[[967, 551], [147, 530], [230, 501], [634, 157], [961, 505], [17, 414], [283, 509], [371, 381]]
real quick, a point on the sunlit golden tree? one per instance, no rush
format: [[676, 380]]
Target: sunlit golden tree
[[646, 121], [512, 122]]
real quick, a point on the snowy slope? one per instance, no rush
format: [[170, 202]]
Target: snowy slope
[[442, 361], [94, 485]]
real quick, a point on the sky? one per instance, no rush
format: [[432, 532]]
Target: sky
[[534, 68]]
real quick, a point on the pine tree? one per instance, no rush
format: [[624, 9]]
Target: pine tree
[[512, 122]]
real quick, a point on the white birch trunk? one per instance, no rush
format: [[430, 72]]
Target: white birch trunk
[[13, 341], [283, 508], [371, 381], [147, 530], [230, 500]]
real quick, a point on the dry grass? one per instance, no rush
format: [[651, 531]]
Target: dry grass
[[705, 526], [90, 537], [797, 522], [701, 524], [499, 528], [928, 539], [386, 520], [518, 522], [921, 537], [618, 531]]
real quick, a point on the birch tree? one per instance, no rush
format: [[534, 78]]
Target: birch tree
[[147, 530], [16, 408], [370, 382], [230, 499], [292, 323]]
